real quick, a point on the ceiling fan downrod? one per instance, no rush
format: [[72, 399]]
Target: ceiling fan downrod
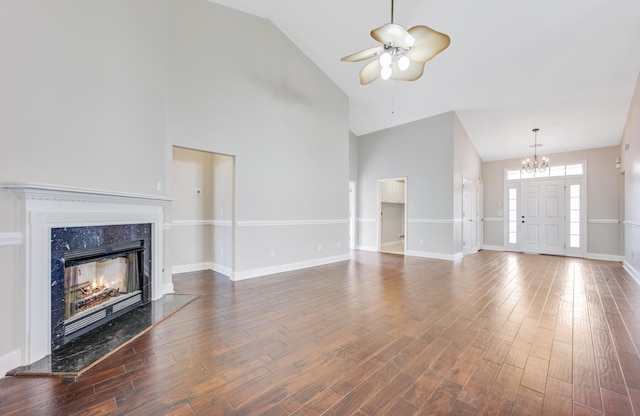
[[391, 11]]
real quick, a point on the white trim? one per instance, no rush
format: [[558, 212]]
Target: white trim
[[196, 267], [433, 221], [10, 239], [631, 223], [390, 243], [34, 190], [603, 221], [493, 248], [606, 257], [166, 225], [632, 271], [264, 271], [279, 223], [367, 248], [493, 219], [218, 223], [193, 267], [9, 361], [168, 288], [438, 256], [366, 220]]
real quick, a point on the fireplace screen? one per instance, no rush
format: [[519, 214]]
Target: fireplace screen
[[90, 285]]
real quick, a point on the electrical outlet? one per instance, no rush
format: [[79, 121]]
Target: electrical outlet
[[159, 185], [338, 245], [421, 242], [273, 253], [319, 247]]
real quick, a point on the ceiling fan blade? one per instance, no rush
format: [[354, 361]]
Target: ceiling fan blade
[[428, 44], [362, 55], [394, 34], [370, 72], [415, 71]]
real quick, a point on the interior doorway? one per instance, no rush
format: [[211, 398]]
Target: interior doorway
[[392, 197], [202, 215]]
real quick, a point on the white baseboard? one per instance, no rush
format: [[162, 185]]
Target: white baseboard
[[607, 257], [168, 288], [390, 243], [458, 257], [367, 248], [9, 361], [632, 271], [195, 267], [493, 248], [437, 256], [264, 271]]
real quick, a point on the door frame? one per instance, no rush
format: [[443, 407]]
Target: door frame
[[379, 207], [470, 209], [568, 180], [352, 215]]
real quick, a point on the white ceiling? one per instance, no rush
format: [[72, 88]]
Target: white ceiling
[[567, 67]]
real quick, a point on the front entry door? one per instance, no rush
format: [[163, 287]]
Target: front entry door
[[542, 217]]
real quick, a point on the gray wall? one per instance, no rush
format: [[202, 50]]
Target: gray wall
[[82, 104], [433, 154], [353, 157], [630, 152], [95, 94], [282, 119], [603, 198]]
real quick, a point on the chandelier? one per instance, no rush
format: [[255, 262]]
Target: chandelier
[[541, 165]]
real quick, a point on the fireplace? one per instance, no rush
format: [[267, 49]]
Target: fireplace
[[58, 221], [97, 274]]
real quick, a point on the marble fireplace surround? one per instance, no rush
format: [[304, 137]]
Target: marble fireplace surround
[[44, 207]]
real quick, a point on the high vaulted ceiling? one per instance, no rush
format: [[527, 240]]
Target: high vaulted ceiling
[[567, 67]]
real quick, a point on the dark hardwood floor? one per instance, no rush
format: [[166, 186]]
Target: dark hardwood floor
[[499, 333]]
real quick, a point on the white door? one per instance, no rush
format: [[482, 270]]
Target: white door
[[468, 223], [352, 215], [479, 216], [542, 221]]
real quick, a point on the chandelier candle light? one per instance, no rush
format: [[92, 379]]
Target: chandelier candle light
[[528, 165]]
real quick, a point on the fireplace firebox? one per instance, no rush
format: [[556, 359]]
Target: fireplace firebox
[[100, 283], [97, 274]]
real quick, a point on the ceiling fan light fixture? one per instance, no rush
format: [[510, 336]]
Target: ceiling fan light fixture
[[404, 52]]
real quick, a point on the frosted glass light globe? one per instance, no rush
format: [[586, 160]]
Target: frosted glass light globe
[[385, 72], [403, 63], [385, 60]]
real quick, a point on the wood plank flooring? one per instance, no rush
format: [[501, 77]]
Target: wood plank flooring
[[382, 334]]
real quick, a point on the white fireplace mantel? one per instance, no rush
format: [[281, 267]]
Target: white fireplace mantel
[[44, 207]]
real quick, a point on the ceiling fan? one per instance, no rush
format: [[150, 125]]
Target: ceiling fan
[[403, 52]]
